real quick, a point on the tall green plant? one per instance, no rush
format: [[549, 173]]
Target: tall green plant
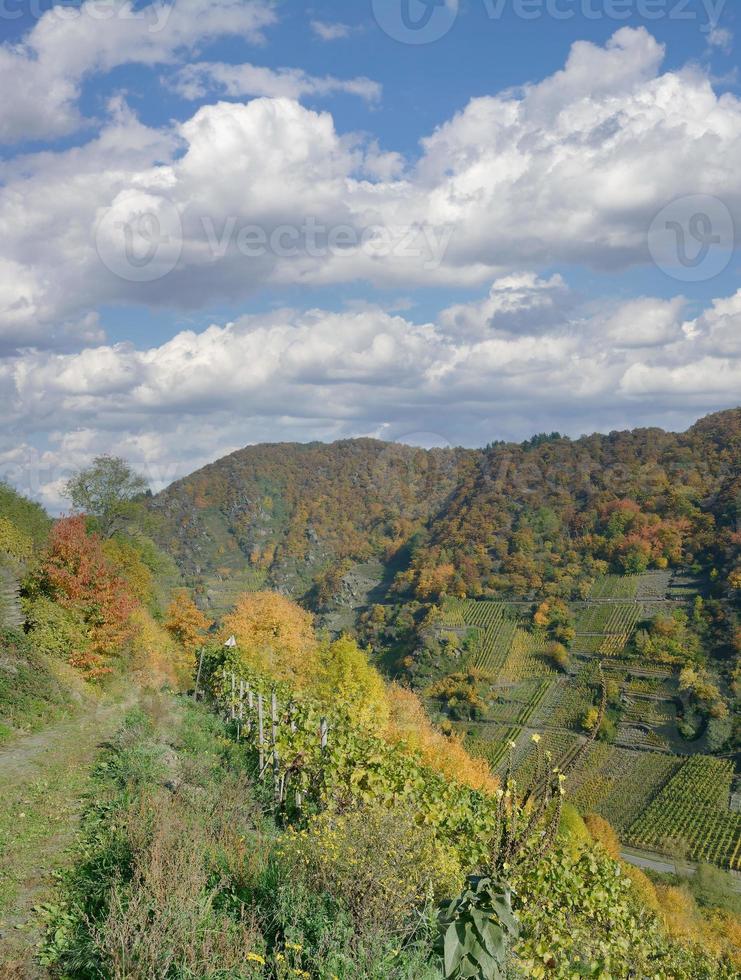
[[477, 927]]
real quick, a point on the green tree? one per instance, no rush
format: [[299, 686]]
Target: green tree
[[105, 490]]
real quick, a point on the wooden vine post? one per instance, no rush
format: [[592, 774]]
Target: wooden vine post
[[236, 696], [241, 709], [261, 734], [198, 675], [274, 738]]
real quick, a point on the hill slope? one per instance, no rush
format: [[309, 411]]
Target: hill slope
[[543, 517]]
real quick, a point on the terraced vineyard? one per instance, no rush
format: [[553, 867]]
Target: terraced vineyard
[[618, 784], [615, 587], [526, 657], [492, 744], [655, 798], [575, 698], [608, 617], [693, 811], [496, 624]]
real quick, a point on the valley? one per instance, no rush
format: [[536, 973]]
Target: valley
[[533, 677], [495, 583]]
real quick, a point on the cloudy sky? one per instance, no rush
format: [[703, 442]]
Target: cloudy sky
[[232, 221]]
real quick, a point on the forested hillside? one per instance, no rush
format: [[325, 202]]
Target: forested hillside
[[546, 517]]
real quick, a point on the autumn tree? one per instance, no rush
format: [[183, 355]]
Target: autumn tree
[[126, 558], [185, 621], [555, 618], [105, 490], [411, 725], [76, 574], [558, 654], [274, 635], [346, 678]]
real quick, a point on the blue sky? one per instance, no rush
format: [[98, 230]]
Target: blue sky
[[538, 169]]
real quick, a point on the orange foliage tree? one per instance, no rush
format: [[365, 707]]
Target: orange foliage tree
[[76, 573], [185, 621], [444, 753], [274, 635]]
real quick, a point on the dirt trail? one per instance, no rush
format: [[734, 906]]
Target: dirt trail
[[43, 778]]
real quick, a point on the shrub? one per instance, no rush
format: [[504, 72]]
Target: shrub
[[14, 541], [154, 655], [380, 862], [56, 630], [572, 826], [165, 921], [30, 694], [603, 832], [445, 754], [643, 886]]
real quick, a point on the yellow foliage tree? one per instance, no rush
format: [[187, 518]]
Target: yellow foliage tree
[[346, 677], [410, 724], [603, 832], [185, 621], [155, 657], [126, 559], [643, 885], [274, 635], [590, 719]]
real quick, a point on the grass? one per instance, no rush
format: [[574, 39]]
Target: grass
[[34, 691], [181, 872], [43, 780]]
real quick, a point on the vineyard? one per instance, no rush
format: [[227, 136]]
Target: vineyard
[[526, 657], [608, 617], [495, 623], [618, 783], [654, 797], [649, 585], [692, 811], [615, 587]]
